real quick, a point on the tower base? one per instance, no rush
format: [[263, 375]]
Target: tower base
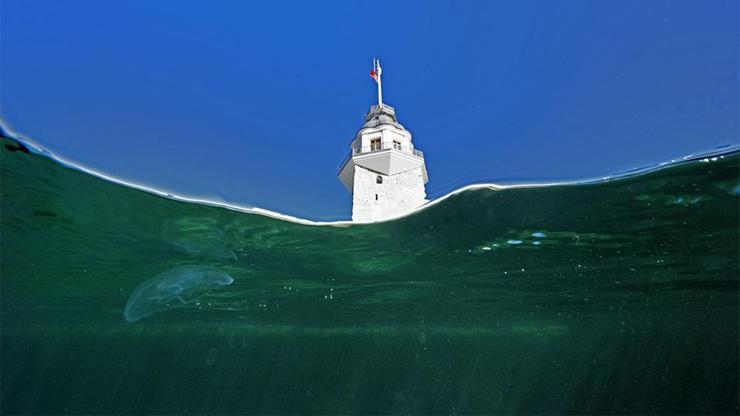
[[378, 197]]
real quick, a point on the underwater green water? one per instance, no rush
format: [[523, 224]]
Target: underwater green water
[[615, 297]]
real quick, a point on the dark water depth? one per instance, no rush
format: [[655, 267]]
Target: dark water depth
[[615, 297]]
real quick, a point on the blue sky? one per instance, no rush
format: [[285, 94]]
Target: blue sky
[[255, 102]]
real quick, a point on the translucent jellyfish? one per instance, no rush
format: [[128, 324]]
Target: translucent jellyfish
[[173, 288]]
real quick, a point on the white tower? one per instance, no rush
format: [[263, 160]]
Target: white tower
[[384, 172]]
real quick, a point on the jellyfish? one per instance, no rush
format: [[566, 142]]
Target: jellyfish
[[174, 288]]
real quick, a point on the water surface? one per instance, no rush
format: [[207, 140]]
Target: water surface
[[611, 297]]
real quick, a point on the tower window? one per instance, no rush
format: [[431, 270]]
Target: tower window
[[374, 144], [379, 179], [376, 197]]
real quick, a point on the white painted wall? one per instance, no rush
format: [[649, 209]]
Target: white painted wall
[[397, 195], [387, 135]]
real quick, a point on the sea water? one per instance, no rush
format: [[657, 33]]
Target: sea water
[[617, 296]]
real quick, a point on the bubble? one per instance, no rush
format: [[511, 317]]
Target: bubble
[[539, 234], [514, 242], [172, 289], [212, 356]]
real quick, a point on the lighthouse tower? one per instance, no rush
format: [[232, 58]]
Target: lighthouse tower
[[384, 172]]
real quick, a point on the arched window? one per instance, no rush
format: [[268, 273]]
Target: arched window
[[379, 179]]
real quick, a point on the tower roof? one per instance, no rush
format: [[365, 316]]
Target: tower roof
[[381, 114]]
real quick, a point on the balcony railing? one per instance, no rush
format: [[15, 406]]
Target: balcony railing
[[383, 107], [384, 146], [387, 146]]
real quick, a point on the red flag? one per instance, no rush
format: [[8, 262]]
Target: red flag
[[373, 74]]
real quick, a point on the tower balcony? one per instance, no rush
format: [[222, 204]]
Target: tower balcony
[[388, 159], [388, 146], [394, 147]]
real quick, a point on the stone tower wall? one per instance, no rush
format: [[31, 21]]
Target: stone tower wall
[[397, 195]]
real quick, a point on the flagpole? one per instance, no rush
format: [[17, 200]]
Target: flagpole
[[378, 71]]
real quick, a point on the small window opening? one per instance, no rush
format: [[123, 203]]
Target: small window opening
[[376, 197], [374, 144], [379, 179]]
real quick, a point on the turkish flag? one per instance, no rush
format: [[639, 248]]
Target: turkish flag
[[373, 74]]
